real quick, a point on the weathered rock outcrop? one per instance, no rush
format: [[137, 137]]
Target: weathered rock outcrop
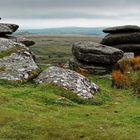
[[135, 48], [75, 64], [25, 41], [7, 28], [16, 62], [6, 44], [94, 53], [69, 80], [125, 38], [125, 28], [121, 38], [20, 39], [94, 57]]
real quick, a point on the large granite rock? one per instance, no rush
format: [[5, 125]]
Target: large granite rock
[[135, 48], [16, 62], [69, 80], [94, 53], [121, 38], [125, 28], [25, 41], [7, 28], [20, 39], [75, 65]]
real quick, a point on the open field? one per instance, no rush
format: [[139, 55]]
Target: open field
[[56, 49], [46, 112]]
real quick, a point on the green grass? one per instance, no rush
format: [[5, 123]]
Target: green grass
[[47, 112], [31, 112], [10, 51], [56, 49]]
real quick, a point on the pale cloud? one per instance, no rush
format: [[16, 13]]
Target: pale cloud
[[59, 13]]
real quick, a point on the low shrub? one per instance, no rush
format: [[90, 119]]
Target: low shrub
[[120, 80], [135, 63], [127, 74]]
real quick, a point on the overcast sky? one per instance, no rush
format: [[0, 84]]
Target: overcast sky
[[60, 13]]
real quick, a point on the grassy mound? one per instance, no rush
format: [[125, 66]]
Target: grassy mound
[[28, 111]]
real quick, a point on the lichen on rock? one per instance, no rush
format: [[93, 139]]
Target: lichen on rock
[[16, 60], [69, 80]]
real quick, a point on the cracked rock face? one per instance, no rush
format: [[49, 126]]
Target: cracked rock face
[[18, 65], [69, 80]]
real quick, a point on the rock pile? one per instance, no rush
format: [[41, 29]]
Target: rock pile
[[16, 61], [94, 57], [7, 29], [69, 80], [17, 64], [125, 38]]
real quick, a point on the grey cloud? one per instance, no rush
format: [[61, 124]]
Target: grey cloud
[[50, 9]]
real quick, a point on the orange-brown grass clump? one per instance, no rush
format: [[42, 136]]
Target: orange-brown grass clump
[[135, 63], [120, 80], [128, 64], [123, 65], [127, 74], [82, 71], [137, 85], [61, 65]]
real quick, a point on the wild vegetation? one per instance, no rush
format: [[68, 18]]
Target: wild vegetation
[[127, 74], [42, 112], [39, 112]]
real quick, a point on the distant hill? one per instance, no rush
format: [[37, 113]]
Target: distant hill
[[64, 30]]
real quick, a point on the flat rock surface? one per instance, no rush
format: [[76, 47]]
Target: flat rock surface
[[6, 28], [121, 38], [125, 28], [69, 80], [94, 53]]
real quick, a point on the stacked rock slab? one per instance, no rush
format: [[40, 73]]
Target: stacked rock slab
[[94, 57], [16, 61], [126, 38], [7, 29]]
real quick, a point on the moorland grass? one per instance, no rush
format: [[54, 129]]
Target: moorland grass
[[47, 112], [29, 111]]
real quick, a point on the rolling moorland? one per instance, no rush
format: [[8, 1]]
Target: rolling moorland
[[64, 30], [30, 111]]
